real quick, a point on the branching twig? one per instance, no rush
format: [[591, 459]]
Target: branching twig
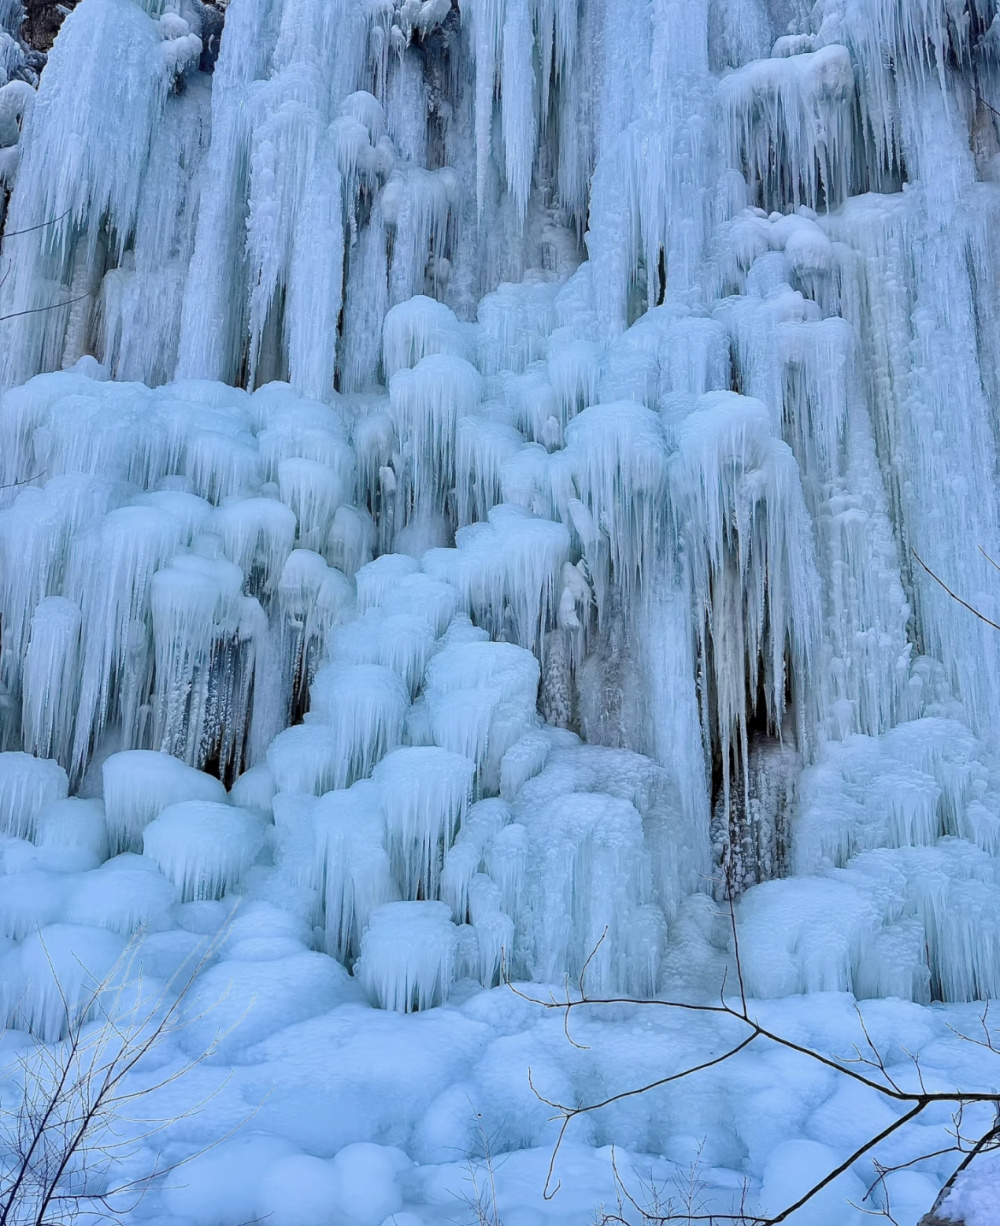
[[888, 1086], [69, 1131]]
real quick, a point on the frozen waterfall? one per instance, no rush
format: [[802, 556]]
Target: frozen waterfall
[[480, 482]]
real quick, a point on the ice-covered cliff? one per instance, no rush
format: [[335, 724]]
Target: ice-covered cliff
[[482, 480]]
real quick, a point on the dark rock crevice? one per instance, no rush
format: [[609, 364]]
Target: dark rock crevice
[[42, 19]]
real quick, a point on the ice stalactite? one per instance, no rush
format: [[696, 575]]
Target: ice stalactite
[[741, 511], [83, 169], [203, 847], [139, 783], [804, 367], [350, 831], [28, 783], [408, 955], [366, 705], [45, 971], [792, 126]]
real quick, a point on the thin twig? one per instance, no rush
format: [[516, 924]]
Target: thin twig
[[41, 225], [916, 1100], [986, 104], [964, 603], [53, 306]]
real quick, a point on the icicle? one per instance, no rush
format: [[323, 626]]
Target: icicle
[[415, 205], [379, 577], [487, 28], [461, 719], [367, 297], [506, 572], [203, 847], [312, 599], [618, 458], [109, 573], [269, 242], [495, 938], [313, 491], [289, 425], [139, 783], [257, 534], [305, 759], [197, 610], [351, 540], [393, 584], [532, 552], [374, 441], [461, 863], [350, 834], [402, 642], [511, 671], [56, 966], [83, 160], [792, 126], [27, 784], [919, 921], [574, 369], [408, 955], [481, 448], [517, 92], [586, 874], [417, 595], [516, 321], [34, 534], [738, 499], [424, 791], [808, 369], [365, 705], [417, 328], [141, 299], [522, 761], [506, 857], [50, 678], [427, 403]]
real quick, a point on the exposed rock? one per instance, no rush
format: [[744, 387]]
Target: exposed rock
[[42, 19]]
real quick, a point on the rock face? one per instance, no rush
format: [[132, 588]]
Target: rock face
[[42, 19]]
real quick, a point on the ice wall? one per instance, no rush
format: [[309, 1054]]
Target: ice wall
[[502, 442]]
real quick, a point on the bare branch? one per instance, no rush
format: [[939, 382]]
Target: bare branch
[[73, 1123], [885, 1084], [52, 306], [41, 225], [964, 603]]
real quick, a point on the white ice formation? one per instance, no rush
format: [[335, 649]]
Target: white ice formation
[[471, 475]]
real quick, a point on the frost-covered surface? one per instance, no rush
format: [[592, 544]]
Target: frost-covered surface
[[465, 471]]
